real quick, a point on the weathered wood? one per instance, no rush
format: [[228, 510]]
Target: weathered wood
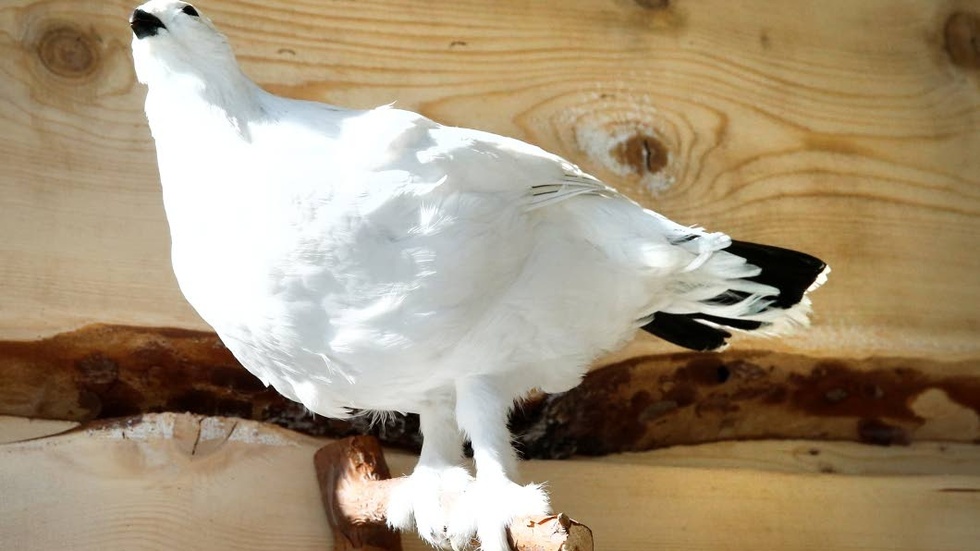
[[104, 371], [185, 482], [637, 404], [847, 129], [356, 486], [650, 402]]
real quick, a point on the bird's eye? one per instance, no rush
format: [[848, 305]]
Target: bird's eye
[[189, 10]]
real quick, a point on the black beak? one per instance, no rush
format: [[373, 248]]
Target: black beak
[[145, 24]]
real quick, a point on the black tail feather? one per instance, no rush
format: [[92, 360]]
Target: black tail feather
[[791, 272], [744, 325], [683, 330]]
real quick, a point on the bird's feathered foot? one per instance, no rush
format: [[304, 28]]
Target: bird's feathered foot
[[428, 502], [447, 506], [450, 509], [489, 507]]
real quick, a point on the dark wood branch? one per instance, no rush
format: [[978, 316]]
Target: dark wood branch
[[355, 485]]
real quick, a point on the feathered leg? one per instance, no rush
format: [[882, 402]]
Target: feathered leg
[[494, 500], [437, 485]]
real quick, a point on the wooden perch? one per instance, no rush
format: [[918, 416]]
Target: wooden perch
[[353, 477], [355, 485], [553, 533]]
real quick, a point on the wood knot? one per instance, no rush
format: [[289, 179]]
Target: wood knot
[[68, 52], [962, 39], [879, 433], [643, 153], [653, 4]]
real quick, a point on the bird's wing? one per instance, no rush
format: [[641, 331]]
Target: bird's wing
[[545, 178], [466, 160], [571, 184]]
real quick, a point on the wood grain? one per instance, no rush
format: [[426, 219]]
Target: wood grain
[[17, 429], [810, 456], [186, 482], [846, 129]]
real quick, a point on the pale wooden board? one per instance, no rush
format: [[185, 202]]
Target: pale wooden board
[[167, 484], [841, 128], [804, 456], [16, 429]]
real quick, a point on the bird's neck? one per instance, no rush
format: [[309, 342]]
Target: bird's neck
[[191, 100]]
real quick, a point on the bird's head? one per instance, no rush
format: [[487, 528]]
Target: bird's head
[[173, 41]]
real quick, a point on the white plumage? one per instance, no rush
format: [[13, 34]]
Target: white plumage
[[376, 260]]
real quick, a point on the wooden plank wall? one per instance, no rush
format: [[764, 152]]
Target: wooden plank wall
[[847, 129]]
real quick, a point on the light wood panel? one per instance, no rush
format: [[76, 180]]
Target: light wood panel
[[17, 429], [183, 482], [847, 129], [807, 456]]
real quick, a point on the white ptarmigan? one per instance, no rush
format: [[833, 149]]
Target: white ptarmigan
[[376, 260]]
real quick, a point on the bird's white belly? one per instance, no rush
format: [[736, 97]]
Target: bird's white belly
[[297, 346]]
